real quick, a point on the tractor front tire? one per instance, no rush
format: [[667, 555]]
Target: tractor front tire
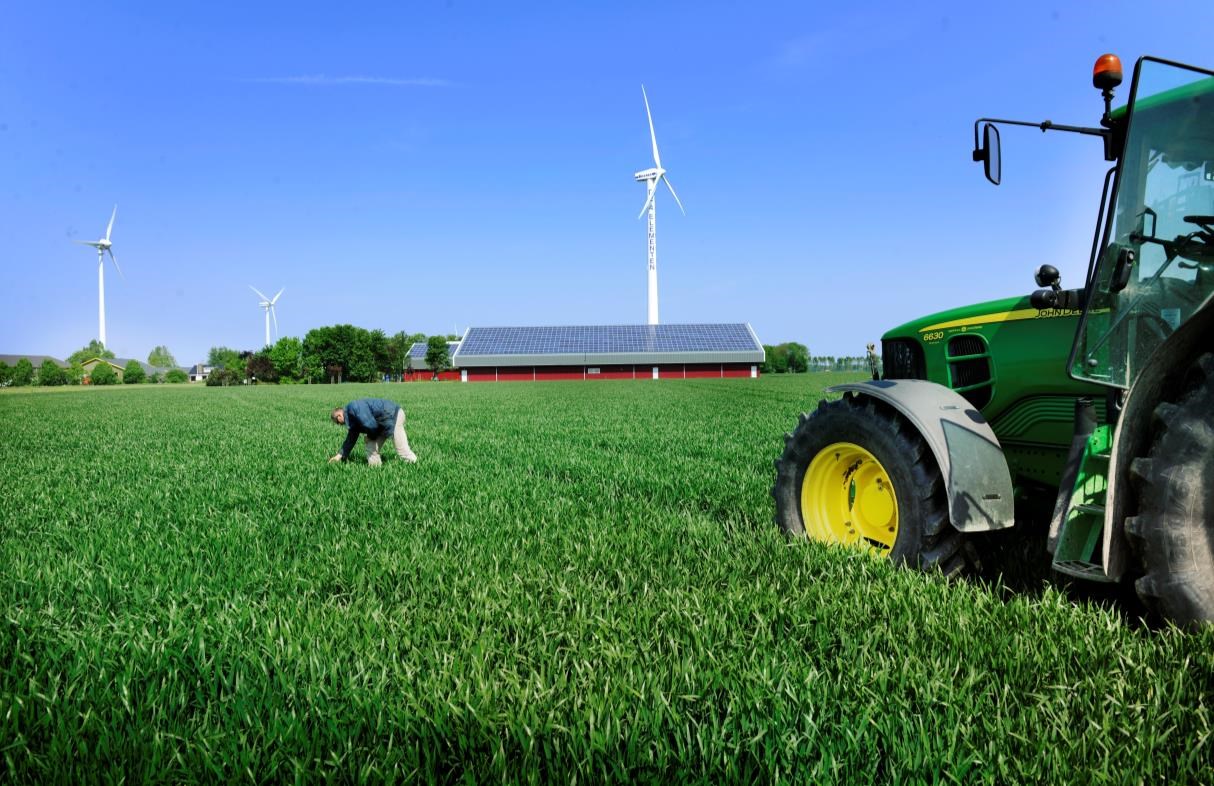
[[1173, 531], [856, 472]]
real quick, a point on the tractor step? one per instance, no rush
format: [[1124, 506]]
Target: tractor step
[[1082, 570], [1077, 546]]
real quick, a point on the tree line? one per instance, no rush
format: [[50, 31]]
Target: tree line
[[793, 358], [331, 354], [51, 374]]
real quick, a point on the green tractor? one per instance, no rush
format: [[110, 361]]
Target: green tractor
[[1100, 398]]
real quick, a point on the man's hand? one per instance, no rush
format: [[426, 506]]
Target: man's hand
[[338, 457]]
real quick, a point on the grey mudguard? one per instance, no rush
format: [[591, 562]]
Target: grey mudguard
[[976, 476]]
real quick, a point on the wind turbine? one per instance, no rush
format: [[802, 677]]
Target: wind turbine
[[267, 304], [650, 178], [103, 247]]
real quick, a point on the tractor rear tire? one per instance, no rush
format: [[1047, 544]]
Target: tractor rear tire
[[1173, 531], [855, 450]]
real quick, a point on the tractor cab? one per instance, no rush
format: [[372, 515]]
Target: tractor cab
[[1156, 266]]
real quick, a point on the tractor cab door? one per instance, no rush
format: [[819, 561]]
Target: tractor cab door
[[1156, 268]]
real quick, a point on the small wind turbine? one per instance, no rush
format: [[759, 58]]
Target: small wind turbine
[[267, 304], [103, 247], [650, 178]]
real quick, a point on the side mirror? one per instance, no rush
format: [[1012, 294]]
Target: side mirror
[[989, 154]]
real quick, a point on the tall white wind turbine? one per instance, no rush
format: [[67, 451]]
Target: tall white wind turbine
[[103, 247], [650, 178], [267, 305]]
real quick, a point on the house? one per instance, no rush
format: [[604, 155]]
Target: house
[[35, 360], [119, 365], [200, 371]]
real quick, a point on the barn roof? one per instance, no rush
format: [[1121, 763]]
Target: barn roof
[[417, 353], [609, 344]]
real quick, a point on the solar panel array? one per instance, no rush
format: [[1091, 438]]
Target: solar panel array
[[418, 350], [596, 339]]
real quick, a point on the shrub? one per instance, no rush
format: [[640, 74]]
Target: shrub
[[223, 377], [50, 374], [103, 374], [176, 376], [133, 374], [23, 373]]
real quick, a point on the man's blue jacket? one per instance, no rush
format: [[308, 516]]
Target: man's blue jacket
[[374, 417]]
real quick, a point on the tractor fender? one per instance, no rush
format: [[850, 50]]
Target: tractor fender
[[977, 480], [1133, 435]]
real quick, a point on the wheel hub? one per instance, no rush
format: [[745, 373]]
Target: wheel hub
[[847, 497]]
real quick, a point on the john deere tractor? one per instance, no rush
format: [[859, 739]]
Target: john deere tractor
[[1099, 397]]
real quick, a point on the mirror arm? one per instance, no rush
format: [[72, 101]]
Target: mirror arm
[[1044, 125]]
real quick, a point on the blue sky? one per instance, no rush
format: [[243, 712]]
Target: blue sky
[[426, 166]]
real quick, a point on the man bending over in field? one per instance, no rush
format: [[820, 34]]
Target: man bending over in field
[[378, 419]]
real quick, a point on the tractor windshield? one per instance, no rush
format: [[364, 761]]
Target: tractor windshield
[[1156, 268]]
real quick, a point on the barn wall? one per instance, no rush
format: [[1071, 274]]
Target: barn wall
[[549, 373]]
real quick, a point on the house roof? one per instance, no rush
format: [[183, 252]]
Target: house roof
[[35, 360]]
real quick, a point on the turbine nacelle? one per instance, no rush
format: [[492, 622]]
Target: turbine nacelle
[[267, 304], [652, 173]]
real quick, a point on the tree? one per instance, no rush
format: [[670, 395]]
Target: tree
[[437, 355], [133, 374], [287, 357], [226, 357], [398, 353], [50, 374], [260, 367], [777, 359], [6, 374], [103, 374], [94, 349], [378, 342], [23, 374], [176, 376], [160, 356], [798, 357]]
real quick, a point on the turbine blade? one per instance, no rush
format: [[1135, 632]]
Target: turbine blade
[[657, 160], [110, 228], [275, 300], [648, 202], [666, 180], [258, 291], [114, 259], [92, 243], [274, 314]]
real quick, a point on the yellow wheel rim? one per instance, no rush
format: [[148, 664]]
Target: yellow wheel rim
[[847, 497]]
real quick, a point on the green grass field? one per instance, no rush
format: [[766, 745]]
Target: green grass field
[[578, 582]]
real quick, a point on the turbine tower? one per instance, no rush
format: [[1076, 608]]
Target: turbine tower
[[103, 247], [650, 178], [267, 305]]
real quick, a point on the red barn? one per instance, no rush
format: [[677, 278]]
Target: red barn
[[506, 354]]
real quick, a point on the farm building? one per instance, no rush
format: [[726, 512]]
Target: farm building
[[417, 362], [608, 352]]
